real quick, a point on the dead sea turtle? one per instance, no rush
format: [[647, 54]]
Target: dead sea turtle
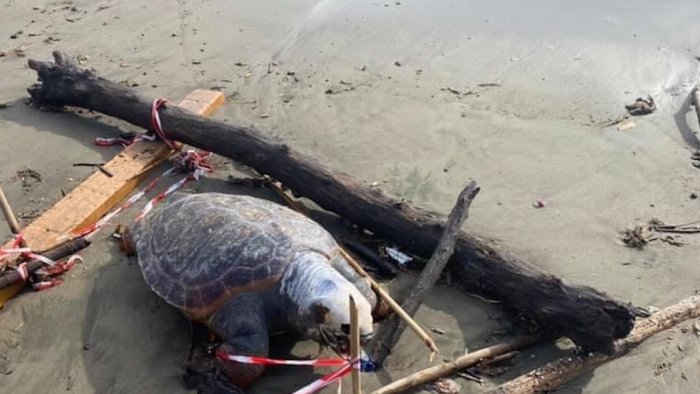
[[247, 267]]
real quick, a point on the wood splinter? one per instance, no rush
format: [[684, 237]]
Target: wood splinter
[[390, 332]]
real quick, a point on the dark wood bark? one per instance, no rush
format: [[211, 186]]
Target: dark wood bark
[[390, 332], [56, 253], [587, 316], [383, 268]]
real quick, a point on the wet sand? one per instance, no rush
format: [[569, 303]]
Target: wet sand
[[390, 93]]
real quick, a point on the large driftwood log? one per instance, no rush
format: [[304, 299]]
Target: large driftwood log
[[587, 316]]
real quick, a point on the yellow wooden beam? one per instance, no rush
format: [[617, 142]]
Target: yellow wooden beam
[[99, 194]]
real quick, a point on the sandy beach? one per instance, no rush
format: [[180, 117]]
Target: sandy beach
[[414, 97]]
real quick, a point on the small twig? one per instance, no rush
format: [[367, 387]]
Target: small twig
[[470, 376], [389, 333], [498, 359], [100, 166]]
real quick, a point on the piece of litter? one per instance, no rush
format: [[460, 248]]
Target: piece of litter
[[641, 106], [265, 116], [626, 125], [539, 203], [446, 386], [398, 256]]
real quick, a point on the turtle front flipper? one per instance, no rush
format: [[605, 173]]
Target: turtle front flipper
[[241, 324]]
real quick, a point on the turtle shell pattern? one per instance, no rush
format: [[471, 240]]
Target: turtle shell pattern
[[197, 251]]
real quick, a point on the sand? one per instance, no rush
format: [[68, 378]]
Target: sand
[[388, 92]]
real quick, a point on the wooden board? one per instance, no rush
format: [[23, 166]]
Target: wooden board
[[99, 194]]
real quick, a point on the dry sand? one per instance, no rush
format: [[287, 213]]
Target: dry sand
[[563, 71]]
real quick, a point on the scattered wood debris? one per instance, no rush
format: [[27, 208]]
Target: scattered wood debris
[[28, 177], [641, 234], [129, 83], [344, 87], [18, 50], [641, 106], [637, 237], [489, 85], [457, 92], [687, 228], [671, 241]]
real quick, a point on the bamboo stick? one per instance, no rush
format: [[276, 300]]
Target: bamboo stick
[[552, 375], [355, 347], [466, 361], [10, 217]]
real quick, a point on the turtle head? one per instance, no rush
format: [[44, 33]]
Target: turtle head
[[319, 299], [332, 314]]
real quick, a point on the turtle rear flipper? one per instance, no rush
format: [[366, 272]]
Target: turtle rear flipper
[[208, 382], [241, 323]]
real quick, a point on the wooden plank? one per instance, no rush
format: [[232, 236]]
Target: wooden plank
[[98, 194]]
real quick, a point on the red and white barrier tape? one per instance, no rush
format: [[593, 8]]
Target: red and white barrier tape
[[158, 126], [322, 362], [90, 230], [60, 268], [195, 162], [23, 271], [52, 268], [123, 141], [24, 252], [47, 273], [160, 197], [346, 367], [326, 380]]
